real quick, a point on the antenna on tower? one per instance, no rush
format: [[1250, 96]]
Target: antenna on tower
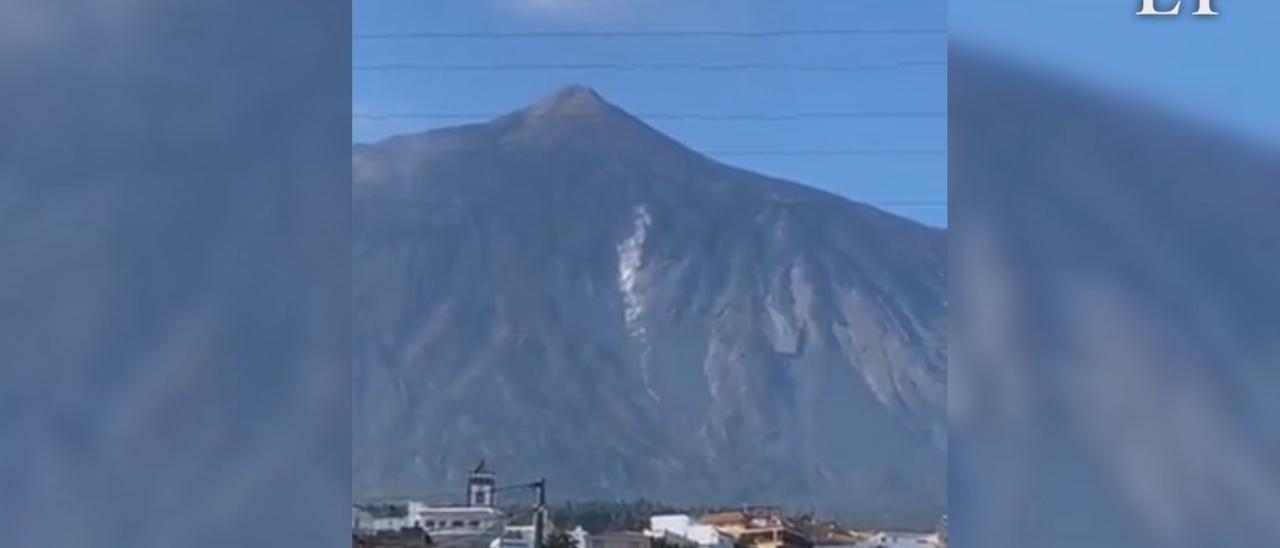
[[481, 485]]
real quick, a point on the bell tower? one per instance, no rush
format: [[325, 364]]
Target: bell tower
[[481, 484]]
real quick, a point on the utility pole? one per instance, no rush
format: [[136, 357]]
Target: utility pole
[[540, 513], [539, 510]]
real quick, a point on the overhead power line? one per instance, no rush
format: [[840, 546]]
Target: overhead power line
[[909, 203], [630, 67], [707, 33], [830, 152], [730, 152], [700, 117]]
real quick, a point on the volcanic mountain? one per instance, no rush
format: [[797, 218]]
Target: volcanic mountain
[[567, 292]]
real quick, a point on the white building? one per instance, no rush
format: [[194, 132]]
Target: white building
[[439, 521], [460, 521], [685, 530], [898, 540], [514, 536], [478, 518]]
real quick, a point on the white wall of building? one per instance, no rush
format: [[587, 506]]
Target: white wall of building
[[681, 525], [437, 521]]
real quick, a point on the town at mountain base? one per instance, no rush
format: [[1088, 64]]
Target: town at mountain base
[[479, 522]]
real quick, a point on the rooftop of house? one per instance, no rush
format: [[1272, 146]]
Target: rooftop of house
[[724, 518]]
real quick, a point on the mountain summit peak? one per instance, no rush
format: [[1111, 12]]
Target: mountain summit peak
[[571, 100]]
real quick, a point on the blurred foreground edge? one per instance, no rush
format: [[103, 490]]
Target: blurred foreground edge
[[174, 273], [1116, 276]]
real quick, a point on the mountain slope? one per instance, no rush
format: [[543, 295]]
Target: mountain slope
[[569, 293]]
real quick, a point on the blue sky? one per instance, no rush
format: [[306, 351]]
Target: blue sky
[[898, 182], [1221, 71]]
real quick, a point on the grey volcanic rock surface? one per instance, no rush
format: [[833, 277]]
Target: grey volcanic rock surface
[[569, 293]]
